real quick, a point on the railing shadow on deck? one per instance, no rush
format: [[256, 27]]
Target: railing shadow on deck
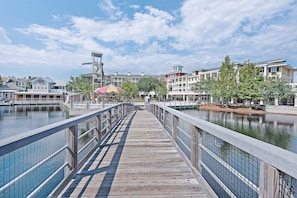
[[104, 188]]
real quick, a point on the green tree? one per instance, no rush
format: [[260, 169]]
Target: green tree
[[250, 83], [161, 90], [148, 84], [29, 82], [130, 90], [226, 83], [205, 86], [277, 89], [81, 84], [1, 81]]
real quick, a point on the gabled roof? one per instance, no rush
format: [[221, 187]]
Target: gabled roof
[[10, 85], [45, 79]]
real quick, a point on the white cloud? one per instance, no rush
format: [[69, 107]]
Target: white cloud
[[207, 22], [56, 17], [140, 29], [3, 37], [152, 39], [112, 11]]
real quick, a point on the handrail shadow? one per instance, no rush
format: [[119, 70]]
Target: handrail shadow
[[110, 170]]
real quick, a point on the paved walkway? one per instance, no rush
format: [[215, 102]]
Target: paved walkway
[[137, 160]]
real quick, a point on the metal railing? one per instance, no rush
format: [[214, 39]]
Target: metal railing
[[41, 162], [233, 164]]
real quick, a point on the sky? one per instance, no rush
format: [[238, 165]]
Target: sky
[[52, 38]]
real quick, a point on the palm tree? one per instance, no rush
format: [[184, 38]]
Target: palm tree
[[81, 85]]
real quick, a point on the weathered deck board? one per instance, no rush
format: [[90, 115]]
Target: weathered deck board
[[137, 161]]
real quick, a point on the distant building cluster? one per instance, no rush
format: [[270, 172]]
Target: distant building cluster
[[40, 90], [179, 84]]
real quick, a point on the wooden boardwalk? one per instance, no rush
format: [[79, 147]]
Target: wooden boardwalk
[[137, 160]]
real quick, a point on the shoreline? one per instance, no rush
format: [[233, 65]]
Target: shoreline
[[239, 110]]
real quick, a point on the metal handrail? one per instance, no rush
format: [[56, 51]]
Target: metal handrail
[[279, 159], [70, 127], [12, 182]]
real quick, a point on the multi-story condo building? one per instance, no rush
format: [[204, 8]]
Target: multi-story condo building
[[117, 79], [176, 81], [180, 84], [276, 69]]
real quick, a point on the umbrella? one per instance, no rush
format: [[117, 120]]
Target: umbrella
[[108, 89]]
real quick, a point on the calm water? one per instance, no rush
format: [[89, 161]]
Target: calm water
[[279, 130], [19, 119]]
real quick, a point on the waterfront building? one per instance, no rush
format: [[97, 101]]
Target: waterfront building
[[44, 91], [180, 84], [276, 69], [176, 83], [10, 86]]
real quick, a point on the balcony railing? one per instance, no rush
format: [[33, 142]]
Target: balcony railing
[[233, 164], [39, 163]]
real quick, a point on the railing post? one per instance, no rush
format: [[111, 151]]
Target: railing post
[[196, 139], [174, 127], [268, 181], [124, 107], [99, 127], [109, 119], [164, 119], [160, 114], [71, 141]]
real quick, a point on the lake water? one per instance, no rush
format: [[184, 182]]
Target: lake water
[[276, 129], [19, 119]]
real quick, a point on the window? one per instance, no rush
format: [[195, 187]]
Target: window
[[273, 69]]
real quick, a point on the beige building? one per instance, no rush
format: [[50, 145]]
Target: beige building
[[276, 69]]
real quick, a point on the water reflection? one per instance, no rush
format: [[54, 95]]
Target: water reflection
[[19, 119], [279, 130]]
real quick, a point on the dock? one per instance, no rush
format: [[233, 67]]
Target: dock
[[137, 160]]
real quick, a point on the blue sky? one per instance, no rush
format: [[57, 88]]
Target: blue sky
[[53, 38]]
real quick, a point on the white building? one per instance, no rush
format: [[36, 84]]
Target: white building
[[44, 91], [180, 84]]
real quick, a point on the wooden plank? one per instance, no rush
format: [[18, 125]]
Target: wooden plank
[[138, 160]]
